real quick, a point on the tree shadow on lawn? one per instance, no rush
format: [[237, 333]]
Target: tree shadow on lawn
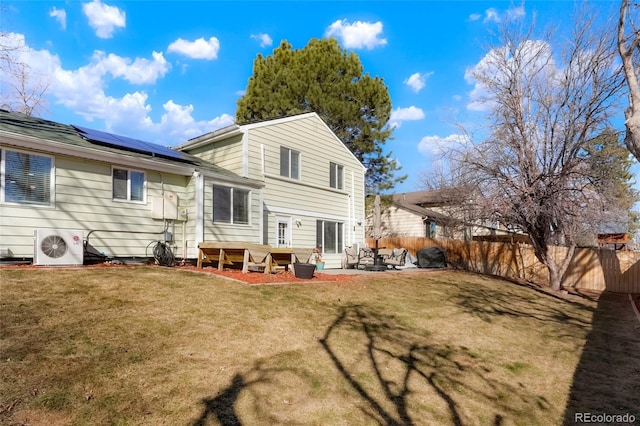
[[490, 304], [259, 385], [395, 375], [404, 379], [607, 378], [221, 407]]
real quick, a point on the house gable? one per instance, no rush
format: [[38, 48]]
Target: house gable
[[313, 184]]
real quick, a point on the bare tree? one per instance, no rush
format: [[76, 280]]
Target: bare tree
[[629, 49], [457, 200], [22, 89], [542, 108]]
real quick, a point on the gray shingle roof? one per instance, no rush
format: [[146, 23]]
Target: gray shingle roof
[[21, 124]]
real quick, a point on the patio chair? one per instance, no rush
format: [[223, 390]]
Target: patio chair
[[366, 257], [349, 258], [396, 258]]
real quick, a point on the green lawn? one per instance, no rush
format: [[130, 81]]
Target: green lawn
[[151, 345]]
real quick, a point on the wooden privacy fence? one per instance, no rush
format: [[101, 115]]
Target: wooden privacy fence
[[590, 268]]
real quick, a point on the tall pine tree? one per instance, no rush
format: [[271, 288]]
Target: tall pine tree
[[324, 78]]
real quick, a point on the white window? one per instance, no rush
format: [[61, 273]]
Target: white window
[[289, 163], [336, 173], [230, 205], [27, 178], [329, 236], [128, 185]]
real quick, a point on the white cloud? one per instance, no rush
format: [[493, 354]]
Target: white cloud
[[434, 145], [493, 15], [83, 91], [104, 18], [264, 39], [405, 114], [140, 71], [399, 115], [178, 122], [198, 49], [417, 81], [357, 35], [60, 15]]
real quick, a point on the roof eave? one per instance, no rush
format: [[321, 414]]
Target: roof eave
[[210, 137]]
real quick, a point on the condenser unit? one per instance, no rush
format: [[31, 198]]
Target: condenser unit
[[58, 247]]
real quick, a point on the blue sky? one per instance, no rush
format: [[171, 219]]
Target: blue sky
[[167, 71]]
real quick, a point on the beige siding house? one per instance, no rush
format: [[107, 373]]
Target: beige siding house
[[313, 192], [432, 214], [288, 182], [121, 200]]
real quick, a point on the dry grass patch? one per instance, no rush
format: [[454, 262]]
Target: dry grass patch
[[152, 345]]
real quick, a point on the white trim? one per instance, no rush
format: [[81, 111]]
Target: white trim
[[199, 195], [290, 163], [245, 154], [51, 147], [297, 212], [235, 129], [310, 185], [261, 218], [288, 236], [339, 182], [128, 199], [230, 180], [338, 248], [210, 137], [262, 158], [353, 217], [121, 158], [3, 176], [302, 117], [232, 195], [279, 120]]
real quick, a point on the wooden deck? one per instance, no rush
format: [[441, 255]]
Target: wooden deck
[[248, 256]]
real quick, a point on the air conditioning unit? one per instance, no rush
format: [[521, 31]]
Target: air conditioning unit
[[58, 247]]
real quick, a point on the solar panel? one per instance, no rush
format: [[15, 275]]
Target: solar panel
[[129, 144]]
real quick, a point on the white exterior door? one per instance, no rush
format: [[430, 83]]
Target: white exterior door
[[283, 232]]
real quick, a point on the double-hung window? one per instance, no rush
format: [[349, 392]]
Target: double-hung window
[[27, 178], [329, 236], [289, 163], [230, 205], [336, 176], [128, 185]]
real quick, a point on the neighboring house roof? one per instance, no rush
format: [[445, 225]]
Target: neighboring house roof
[[422, 211], [415, 202], [84, 141], [434, 197], [236, 129]]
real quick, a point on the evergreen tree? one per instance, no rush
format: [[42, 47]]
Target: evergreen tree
[[610, 172], [324, 78]]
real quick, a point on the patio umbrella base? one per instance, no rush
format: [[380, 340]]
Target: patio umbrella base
[[376, 268]]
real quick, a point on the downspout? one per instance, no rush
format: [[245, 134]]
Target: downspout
[[352, 230], [349, 221], [199, 216], [261, 218], [245, 154]]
